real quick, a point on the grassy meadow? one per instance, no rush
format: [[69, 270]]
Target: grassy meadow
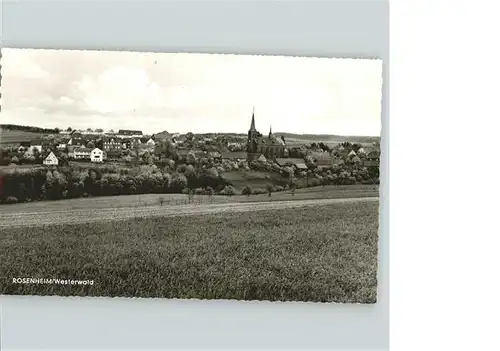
[[15, 136], [324, 253]]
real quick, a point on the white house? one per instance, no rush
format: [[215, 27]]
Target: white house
[[32, 148], [62, 146], [97, 155], [352, 153], [51, 160], [79, 153], [150, 142]]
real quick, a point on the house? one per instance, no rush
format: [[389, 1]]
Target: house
[[76, 134], [352, 153], [129, 133], [32, 149], [51, 160], [150, 142], [179, 139], [79, 153], [112, 144], [300, 166], [62, 146], [373, 156], [162, 136], [97, 155], [372, 159], [356, 159], [236, 155], [361, 152], [261, 158], [76, 141], [288, 161]]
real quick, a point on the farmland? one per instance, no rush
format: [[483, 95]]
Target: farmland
[[17, 136], [151, 201], [326, 252]]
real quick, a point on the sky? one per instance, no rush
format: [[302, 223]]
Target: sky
[[182, 92]]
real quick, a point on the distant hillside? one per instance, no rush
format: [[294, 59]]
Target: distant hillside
[[28, 129], [17, 136], [328, 138]]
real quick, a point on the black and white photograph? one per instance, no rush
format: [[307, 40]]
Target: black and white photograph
[[189, 176]]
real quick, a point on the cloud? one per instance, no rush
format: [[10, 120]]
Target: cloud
[[182, 92]]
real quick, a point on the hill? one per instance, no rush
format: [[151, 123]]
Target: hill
[[328, 138], [8, 136]]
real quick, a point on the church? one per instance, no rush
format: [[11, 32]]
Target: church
[[257, 144]]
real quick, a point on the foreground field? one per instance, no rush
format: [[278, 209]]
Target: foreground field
[[321, 253]]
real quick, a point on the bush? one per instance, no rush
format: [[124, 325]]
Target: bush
[[247, 190], [200, 191], [228, 190], [11, 200], [258, 191], [279, 188]]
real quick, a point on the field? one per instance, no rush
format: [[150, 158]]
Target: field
[[325, 252], [150, 201], [17, 136]]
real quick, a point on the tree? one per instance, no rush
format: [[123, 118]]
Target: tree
[[57, 130], [247, 190], [14, 160], [210, 191], [69, 129], [89, 129], [90, 145], [269, 188], [189, 136], [99, 130], [228, 190]]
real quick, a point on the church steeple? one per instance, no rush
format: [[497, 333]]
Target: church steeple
[[252, 125]]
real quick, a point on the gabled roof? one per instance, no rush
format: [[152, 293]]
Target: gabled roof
[[234, 155], [300, 165], [50, 156], [129, 132], [288, 161], [82, 149], [373, 155], [262, 158]]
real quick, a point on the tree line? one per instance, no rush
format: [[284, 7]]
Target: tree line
[[29, 128], [75, 182]]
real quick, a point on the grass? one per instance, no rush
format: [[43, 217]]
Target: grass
[[256, 179], [16, 136], [325, 253], [319, 192]]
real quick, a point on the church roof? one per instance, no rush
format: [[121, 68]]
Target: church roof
[[252, 124]]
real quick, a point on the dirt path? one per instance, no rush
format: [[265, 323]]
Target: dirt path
[[41, 217]]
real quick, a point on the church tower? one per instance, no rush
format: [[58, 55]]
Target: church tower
[[253, 136]]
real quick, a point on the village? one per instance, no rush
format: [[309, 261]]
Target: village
[[126, 146], [76, 163]]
